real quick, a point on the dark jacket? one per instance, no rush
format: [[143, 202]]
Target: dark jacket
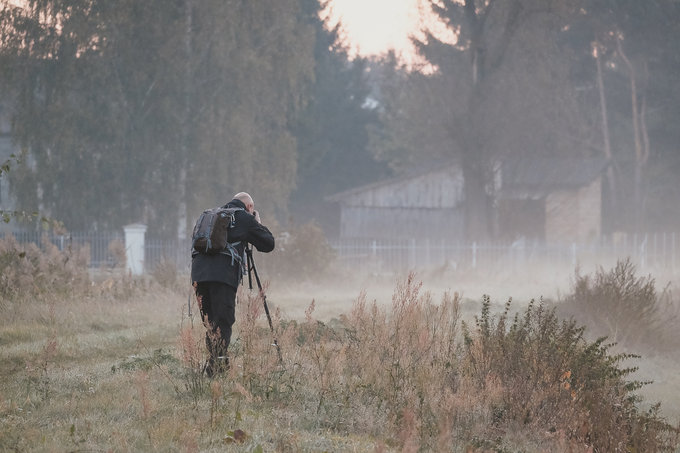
[[219, 267]]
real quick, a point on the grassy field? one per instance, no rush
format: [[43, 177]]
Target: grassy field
[[114, 364]]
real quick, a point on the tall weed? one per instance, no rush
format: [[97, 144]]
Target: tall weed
[[405, 376], [192, 356], [28, 271], [413, 375]]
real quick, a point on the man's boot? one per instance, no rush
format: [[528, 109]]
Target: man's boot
[[216, 365]]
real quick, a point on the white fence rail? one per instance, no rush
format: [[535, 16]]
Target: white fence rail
[[650, 252], [102, 246]]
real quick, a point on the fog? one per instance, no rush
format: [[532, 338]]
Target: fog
[[530, 146], [528, 151]]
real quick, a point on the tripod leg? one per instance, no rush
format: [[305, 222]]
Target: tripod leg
[[249, 252]]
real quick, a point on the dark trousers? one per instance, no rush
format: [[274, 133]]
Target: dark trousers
[[217, 302]]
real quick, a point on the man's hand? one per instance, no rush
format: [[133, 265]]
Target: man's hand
[[257, 216]]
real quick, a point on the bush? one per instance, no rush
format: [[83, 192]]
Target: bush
[[617, 304], [32, 271], [165, 273], [304, 253], [547, 377]]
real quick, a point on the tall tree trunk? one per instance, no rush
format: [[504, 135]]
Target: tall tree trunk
[[476, 219], [641, 147], [186, 117], [476, 159], [611, 180]]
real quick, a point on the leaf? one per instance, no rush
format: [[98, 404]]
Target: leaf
[[240, 436]]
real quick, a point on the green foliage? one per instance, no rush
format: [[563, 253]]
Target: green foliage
[[133, 363], [26, 217], [7, 165], [261, 75], [23, 216], [332, 130], [136, 110], [543, 373]]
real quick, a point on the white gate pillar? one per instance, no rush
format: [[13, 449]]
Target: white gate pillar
[[134, 247]]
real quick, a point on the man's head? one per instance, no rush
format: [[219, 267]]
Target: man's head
[[247, 200]]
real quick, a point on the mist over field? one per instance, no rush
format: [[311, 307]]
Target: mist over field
[[477, 244], [107, 360], [334, 292]]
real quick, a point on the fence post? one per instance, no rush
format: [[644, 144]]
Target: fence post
[[134, 248]]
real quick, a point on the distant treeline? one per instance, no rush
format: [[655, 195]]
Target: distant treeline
[[151, 111]]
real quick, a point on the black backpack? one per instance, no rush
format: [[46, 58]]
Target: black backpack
[[211, 232]]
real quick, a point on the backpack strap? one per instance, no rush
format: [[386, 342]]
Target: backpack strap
[[230, 251], [235, 256]]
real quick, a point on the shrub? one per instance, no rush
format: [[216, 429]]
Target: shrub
[[548, 378], [616, 304], [118, 254], [165, 273], [304, 253], [32, 271]]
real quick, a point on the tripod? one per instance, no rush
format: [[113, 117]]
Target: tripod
[[253, 270]]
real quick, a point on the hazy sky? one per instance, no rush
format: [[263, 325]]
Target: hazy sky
[[375, 26]]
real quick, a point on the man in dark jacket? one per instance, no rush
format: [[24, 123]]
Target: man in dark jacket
[[216, 279]]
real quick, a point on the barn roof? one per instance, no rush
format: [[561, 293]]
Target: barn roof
[[414, 173], [548, 174], [517, 176]]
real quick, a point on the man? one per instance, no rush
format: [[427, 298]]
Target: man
[[216, 278]]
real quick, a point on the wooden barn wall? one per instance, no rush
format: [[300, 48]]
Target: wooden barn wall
[[401, 223], [439, 189], [574, 215]]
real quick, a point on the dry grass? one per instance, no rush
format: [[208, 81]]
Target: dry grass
[[116, 366]]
